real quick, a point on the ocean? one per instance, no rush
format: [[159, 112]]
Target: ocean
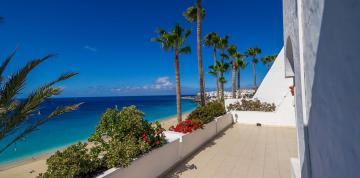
[[78, 125]]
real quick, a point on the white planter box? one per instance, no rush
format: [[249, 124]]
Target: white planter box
[[194, 140], [152, 164], [156, 162], [223, 122]]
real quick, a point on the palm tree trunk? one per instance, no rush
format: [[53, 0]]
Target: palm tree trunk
[[200, 64], [222, 74], [178, 92], [217, 75], [238, 84], [233, 80], [254, 74]]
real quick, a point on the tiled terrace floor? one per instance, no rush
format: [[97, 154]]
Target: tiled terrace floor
[[243, 151]]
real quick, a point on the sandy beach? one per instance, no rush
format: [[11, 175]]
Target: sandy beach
[[30, 168]]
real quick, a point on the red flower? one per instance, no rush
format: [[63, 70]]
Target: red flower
[[186, 126], [157, 142]]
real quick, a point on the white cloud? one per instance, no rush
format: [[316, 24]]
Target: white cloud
[[93, 49], [163, 83]]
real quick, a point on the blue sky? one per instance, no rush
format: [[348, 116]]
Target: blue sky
[[108, 42]]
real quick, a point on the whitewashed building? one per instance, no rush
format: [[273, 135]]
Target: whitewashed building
[[322, 45]]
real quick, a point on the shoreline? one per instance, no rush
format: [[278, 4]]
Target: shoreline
[[31, 167]]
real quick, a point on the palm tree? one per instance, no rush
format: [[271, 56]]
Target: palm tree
[[253, 52], [212, 39], [192, 14], [223, 45], [175, 41], [215, 72], [232, 50], [268, 60], [222, 68], [15, 112], [241, 65]]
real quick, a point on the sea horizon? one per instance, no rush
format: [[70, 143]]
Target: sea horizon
[[80, 124]]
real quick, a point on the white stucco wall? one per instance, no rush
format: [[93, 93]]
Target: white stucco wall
[[325, 39], [275, 86], [331, 63], [292, 26]]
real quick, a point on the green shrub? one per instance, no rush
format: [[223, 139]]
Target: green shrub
[[249, 95], [208, 112], [252, 105], [122, 136], [74, 161]]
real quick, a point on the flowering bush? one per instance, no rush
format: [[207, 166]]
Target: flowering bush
[[120, 137], [154, 136], [186, 126], [123, 135]]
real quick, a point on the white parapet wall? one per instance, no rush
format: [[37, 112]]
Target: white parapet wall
[[180, 146]]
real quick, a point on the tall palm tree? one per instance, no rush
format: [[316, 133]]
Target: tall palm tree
[[253, 52], [215, 72], [241, 65], [267, 60], [222, 68], [175, 41], [192, 14], [232, 50], [223, 45], [14, 112], [212, 40]]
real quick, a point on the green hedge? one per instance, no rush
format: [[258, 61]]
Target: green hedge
[[252, 105], [208, 112]]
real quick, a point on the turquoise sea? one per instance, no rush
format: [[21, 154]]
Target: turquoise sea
[[80, 124]]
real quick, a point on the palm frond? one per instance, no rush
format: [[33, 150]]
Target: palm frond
[[190, 14], [185, 50], [23, 110], [17, 81], [232, 50], [173, 40], [187, 33], [63, 77], [58, 111], [5, 63], [13, 112], [225, 56], [222, 80]]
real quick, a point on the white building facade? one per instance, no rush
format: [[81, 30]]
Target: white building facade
[[322, 46]]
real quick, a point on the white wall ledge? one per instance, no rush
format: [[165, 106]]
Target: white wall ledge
[[179, 147]]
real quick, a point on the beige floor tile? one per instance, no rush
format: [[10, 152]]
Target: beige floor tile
[[243, 151]]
